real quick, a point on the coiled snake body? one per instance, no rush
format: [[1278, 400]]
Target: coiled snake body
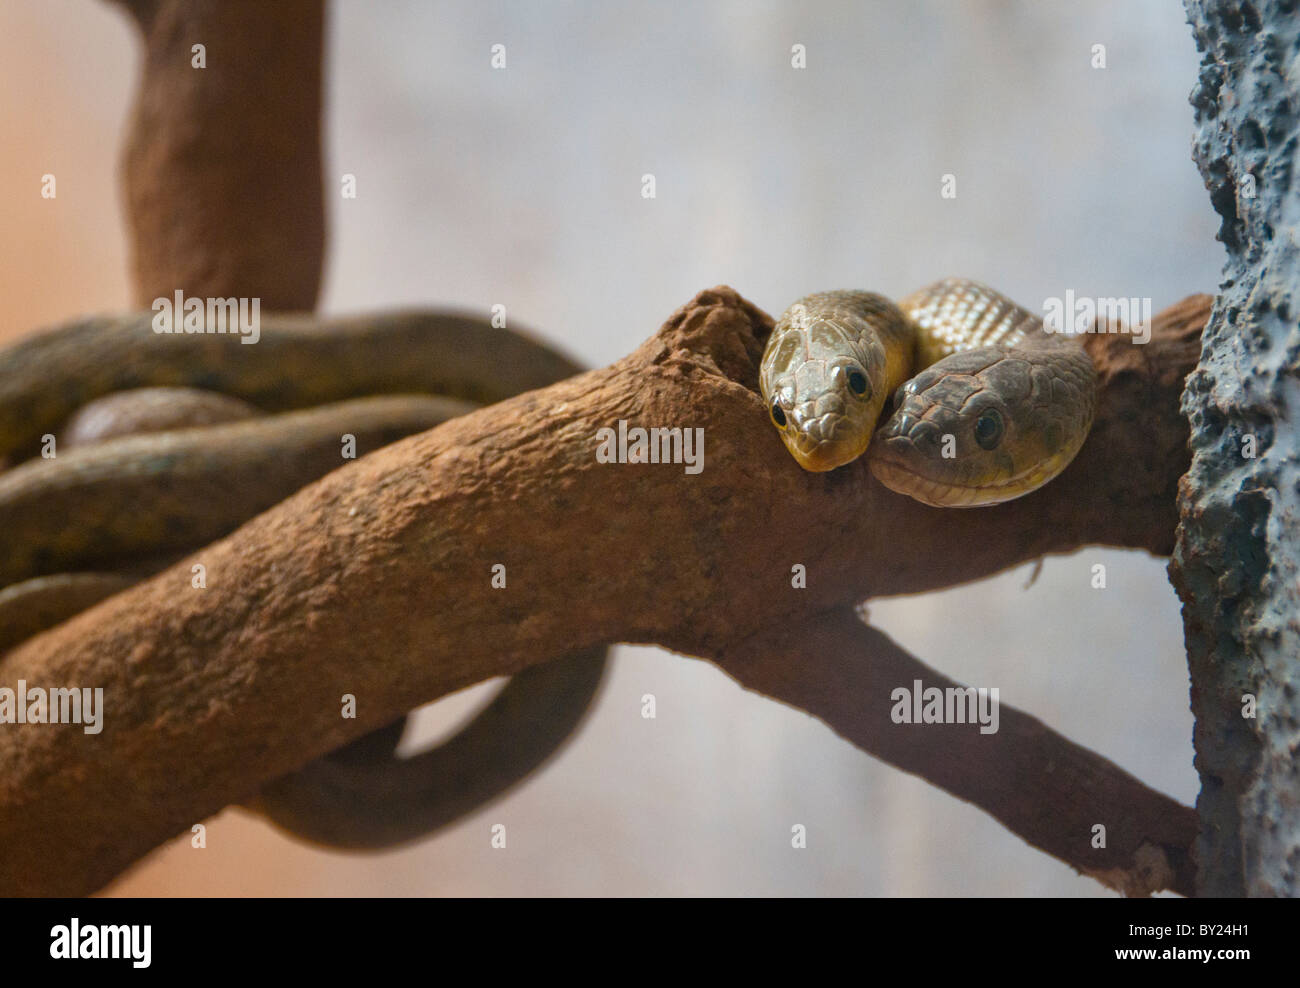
[[110, 509], [987, 405]]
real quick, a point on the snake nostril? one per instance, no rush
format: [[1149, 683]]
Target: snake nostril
[[926, 438], [829, 403]]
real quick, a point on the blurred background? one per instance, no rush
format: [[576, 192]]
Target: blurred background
[[523, 186]]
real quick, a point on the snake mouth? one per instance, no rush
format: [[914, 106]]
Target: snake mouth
[[937, 494], [824, 436], [887, 466], [820, 456]]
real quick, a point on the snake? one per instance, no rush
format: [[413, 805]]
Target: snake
[[983, 405], [162, 443], [980, 403]]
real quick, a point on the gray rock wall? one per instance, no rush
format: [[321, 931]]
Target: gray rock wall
[[1238, 549]]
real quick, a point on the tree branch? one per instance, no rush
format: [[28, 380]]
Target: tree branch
[[375, 580], [222, 163], [1044, 788]]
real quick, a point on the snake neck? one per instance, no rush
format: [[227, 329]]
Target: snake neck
[[957, 314]]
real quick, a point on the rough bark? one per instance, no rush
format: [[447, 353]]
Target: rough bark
[[1237, 561], [376, 581]]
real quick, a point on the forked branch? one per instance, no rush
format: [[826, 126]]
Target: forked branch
[[376, 581]]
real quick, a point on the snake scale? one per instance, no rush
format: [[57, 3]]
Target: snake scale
[[167, 442], [986, 404]]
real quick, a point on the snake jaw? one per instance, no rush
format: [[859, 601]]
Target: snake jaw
[[889, 464], [825, 431], [819, 456], [828, 430], [895, 472]]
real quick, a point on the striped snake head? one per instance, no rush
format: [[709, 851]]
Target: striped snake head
[[825, 379], [985, 426]]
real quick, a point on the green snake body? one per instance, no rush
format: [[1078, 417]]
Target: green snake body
[[101, 503], [298, 362], [986, 404]]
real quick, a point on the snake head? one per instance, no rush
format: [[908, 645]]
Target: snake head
[[981, 427], [825, 384]]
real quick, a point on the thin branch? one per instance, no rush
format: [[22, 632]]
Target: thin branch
[[1043, 787]]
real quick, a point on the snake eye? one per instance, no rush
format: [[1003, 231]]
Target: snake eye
[[857, 381], [778, 413], [988, 429]]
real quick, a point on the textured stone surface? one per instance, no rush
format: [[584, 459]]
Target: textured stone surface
[[1235, 564]]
